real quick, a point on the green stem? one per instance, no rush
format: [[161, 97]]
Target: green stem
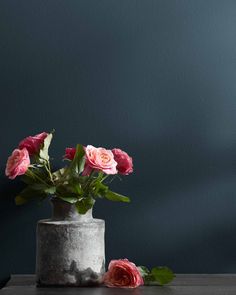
[[105, 177], [32, 174], [88, 183], [48, 168]]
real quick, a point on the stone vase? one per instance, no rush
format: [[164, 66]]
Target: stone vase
[[70, 248]]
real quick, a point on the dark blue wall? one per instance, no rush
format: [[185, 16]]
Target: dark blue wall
[[156, 78]]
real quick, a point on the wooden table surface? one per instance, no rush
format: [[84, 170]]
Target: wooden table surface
[[194, 284]]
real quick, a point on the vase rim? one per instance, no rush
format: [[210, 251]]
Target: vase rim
[[65, 211]]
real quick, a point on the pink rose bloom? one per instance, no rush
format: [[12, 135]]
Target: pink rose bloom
[[124, 161], [99, 159], [33, 143], [122, 274], [70, 153], [17, 163]]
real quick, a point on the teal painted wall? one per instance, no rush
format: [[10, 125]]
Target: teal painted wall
[[156, 78]]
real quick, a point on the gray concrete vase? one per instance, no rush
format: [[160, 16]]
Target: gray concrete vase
[[70, 248]]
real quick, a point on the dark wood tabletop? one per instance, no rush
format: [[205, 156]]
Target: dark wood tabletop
[[183, 284]]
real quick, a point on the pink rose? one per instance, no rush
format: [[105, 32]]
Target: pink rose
[[33, 143], [122, 274], [124, 161], [70, 153], [99, 159], [17, 163]]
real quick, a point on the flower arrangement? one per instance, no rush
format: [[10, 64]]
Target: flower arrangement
[[80, 182]]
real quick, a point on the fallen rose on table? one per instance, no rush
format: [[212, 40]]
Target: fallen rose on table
[[125, 274]]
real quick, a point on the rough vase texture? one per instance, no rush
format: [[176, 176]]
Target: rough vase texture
[[70, 248]]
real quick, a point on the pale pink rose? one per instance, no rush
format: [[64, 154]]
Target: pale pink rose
[[124, 162], [69, 153], [122, 274], [33, 143], [99, 159], [17, 163]]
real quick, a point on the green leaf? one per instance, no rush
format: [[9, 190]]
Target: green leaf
[[69, 199], [83, 179], [42, 188], [84, 205], [100, 176], [38, 186], [100, 189], [81, 165], [77, 188], [43, 153], [79, 151], [29, 194], [50, 190], [112, 196], [77, 164], [73, 185], [144, 271], [31, 178], [27, 179], [58, 174], [19, 200], [162, 274]]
